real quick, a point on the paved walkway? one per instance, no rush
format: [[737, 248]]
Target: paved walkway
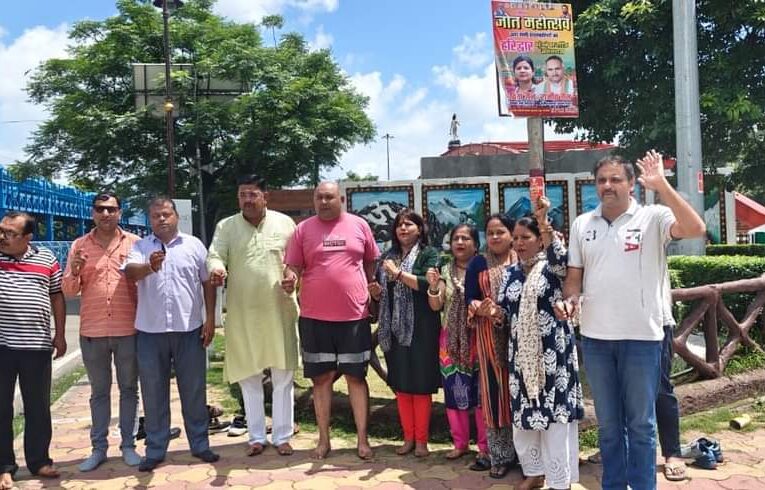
[[744, 469]]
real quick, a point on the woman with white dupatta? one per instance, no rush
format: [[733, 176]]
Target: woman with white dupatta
[[545, 393]]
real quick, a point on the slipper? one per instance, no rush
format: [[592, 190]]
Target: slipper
[[284, 449], [499, 471], [255, 449], [47, 471], [675, 471], [214, 412], [595, 458], [455, 454]]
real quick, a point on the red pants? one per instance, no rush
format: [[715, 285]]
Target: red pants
[[414, 413]]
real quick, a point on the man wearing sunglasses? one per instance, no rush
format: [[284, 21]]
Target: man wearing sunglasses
[[107, 325], [30, 287]]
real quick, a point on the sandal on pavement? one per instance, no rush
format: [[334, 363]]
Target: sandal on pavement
[[455, 453], [255, 449], [499, 471], [675, 471], [284, 449], [47, 471]]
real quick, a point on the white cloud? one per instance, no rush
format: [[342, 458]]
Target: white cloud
[[255, 10], [474, 51], [418, 116], [321, 40], [19, 57]]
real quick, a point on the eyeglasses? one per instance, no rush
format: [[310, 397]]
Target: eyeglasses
[[10, 233], [108, 209], [250, 195]]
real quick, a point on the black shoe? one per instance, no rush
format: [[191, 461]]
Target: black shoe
[[207, 456], [148, 464], [216, 426], [175, 432], [238, 426], [480, 464]]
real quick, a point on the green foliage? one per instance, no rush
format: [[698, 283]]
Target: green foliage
[[745, 360], [688, 272], [625, 75], [352, 176], [754, 249], [297, 117]]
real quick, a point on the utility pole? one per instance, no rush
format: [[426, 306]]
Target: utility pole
[[690, 177], [536, 136], [388, 137]]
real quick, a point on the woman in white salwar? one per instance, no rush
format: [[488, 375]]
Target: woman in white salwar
[[545, 393]]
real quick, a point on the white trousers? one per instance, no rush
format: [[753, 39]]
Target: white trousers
[[552, 453], [283, 413]]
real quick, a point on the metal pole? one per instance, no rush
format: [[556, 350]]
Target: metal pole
[[535, 128], [169, 134], [687, 117], [387, 150]]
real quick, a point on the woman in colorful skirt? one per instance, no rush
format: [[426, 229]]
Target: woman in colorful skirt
[[457, 352]]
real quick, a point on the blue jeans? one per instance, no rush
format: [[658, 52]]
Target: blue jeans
[[667, 413], [156, 353], [624, 378]]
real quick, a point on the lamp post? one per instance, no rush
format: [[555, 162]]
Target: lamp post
[[168, 106]]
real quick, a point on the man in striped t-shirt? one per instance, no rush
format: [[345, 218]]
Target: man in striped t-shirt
[[30, 286]]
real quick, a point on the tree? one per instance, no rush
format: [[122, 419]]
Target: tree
[[352, 176], [300, 115], [625, 76]]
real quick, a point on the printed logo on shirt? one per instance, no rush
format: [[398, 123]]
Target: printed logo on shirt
[[333, 243], [590, 235], [632, 239]]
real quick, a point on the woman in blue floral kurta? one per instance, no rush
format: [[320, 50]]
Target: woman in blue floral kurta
[[545, 393]]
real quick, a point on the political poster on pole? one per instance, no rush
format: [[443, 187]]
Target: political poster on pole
[[534, 58]]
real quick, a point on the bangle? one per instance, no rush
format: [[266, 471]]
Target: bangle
[[434, 294], [398, 276]]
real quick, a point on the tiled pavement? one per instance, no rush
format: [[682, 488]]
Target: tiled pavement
[[744, 469]]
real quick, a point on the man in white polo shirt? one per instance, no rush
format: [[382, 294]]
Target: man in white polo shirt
[[617, 268]]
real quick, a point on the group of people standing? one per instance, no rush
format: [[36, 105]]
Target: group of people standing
[[505, 349], [495, 330]]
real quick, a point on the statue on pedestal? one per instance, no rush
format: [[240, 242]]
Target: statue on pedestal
[[455, 139]]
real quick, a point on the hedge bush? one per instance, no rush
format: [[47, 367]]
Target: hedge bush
[[755, 250]]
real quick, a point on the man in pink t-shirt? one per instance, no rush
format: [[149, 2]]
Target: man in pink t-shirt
[[333, 254]]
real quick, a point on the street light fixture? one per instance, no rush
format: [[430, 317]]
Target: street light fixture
[[168, 106]]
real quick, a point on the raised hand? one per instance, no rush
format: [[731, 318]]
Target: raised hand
[[433, 277], [78, 262], [156, 259], [541, 207], [651, 171]]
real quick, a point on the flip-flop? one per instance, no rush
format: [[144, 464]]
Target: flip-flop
[[499, 471], [481, 463], [255, 449], [285, 449], [455, 454], [48, 471], [675, 471]]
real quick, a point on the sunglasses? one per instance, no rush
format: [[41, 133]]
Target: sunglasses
[[108, 209]]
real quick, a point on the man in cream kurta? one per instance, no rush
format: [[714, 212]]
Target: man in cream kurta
[[261, 319]]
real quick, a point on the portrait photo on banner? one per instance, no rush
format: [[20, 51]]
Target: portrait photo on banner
[[379, 206], [534, 59], [445, 206]]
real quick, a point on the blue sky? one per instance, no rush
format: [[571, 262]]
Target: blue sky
[[418, 62]]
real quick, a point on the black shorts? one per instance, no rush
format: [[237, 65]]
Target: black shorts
[[344, 347]]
